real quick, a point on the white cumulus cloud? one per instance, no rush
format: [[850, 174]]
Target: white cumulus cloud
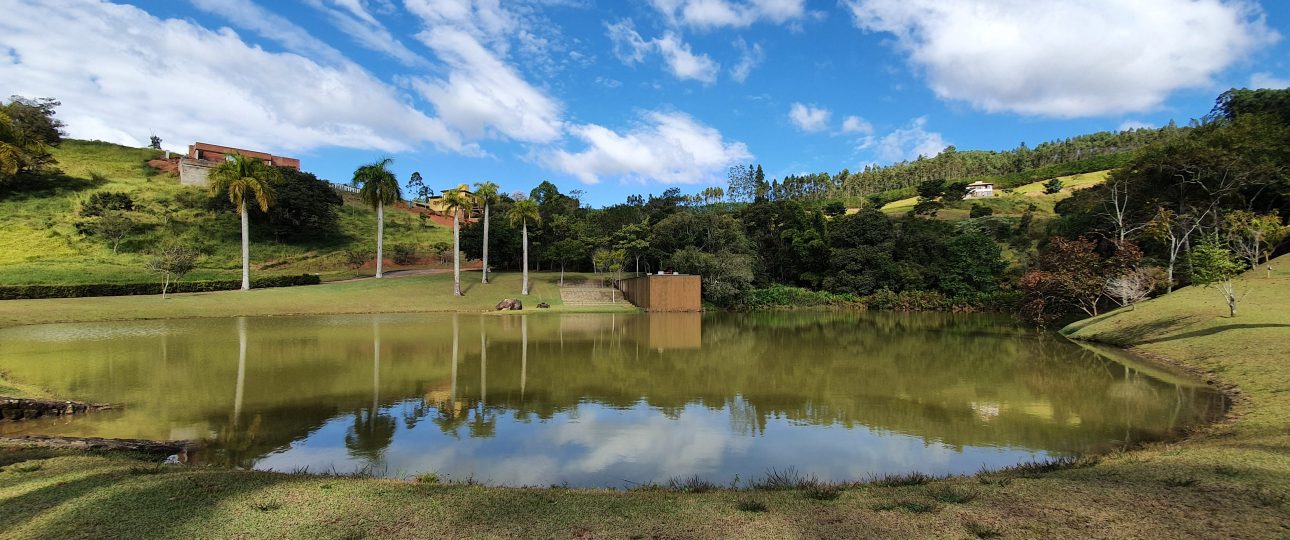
[[1067, 58], [909, 142], [666, 147], [809, 118], [855, 124], [123, 74]]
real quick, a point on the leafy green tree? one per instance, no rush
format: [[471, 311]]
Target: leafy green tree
[[1053, 186], [28, 130], [1212, 264], [634, 241], [725, 275], [980, 210], [114, 227], [173, 261], [304, 207], [521, 213], [486, 194], [566, 251], [973, 264], [244, 178], [460, 203], [417, 185], [378, 187], [1254, 236]]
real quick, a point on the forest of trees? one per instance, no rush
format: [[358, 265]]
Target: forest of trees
[[1182, 206], [1223, 177], [878, 184]]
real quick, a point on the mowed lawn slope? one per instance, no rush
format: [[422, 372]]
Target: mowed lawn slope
[[1010, 204], [1231, 479], [39, 243], [421, 293]]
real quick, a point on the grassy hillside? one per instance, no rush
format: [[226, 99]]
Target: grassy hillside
[[39, 243], [1012, 202]]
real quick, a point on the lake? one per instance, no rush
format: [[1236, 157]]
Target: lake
[[605, 400]]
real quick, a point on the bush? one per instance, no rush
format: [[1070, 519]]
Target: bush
[[784, 296], [404, 253], [1053, 186], [356, 258], [980, 210], [909, 301], [20, 292], [105, 202]]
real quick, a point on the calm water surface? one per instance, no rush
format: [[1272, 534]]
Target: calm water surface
[[604, 400]]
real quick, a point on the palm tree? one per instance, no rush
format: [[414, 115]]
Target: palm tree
[[486, 194], [243, 177], [379, 188], [458, 201], [521, 213]]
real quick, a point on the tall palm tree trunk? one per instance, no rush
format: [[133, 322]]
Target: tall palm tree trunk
[[456, 253], [246, 251], [485, 279], [526, 259], [380, 240]]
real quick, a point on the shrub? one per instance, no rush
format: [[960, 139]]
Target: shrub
[[105, 202], [897, 480], [693, 484], [18, 292], [355, 258], [784, 296], [750, 504], [404, 253], [980, 210], [1053, 186], [909, 301]]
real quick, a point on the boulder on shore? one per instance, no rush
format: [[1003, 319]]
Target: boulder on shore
[[510, 304]]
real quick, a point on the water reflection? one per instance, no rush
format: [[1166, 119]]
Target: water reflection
[[609, 399]]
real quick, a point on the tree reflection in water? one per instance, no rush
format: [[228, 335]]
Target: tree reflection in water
[[769, 380]]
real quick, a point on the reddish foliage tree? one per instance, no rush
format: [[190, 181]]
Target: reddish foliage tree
[[1073, 274]]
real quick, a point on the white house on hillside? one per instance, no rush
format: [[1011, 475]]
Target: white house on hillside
[[980, 190]]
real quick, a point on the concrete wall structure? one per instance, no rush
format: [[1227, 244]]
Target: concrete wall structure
[[668, 292], [195, 168]]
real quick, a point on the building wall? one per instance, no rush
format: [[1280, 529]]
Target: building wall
[[193, 172], [664, 293], [216, 153]]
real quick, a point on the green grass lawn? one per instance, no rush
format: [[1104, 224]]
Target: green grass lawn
[[424, 293], [1230, 479], [39, 243]]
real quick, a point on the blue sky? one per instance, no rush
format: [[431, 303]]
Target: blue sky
[[617, 98]]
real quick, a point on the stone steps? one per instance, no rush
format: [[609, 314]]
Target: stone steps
[[591, 296]]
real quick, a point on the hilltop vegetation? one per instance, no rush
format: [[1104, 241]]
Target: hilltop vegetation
[[48, 238]]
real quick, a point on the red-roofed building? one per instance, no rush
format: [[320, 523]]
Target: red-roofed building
[[202, 157]]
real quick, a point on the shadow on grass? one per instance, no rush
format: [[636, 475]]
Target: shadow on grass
[[28, 187], [1215, 330], [1136, 333]]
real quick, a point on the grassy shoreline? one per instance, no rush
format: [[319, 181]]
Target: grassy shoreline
[[430, 293], [1231, 478]]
